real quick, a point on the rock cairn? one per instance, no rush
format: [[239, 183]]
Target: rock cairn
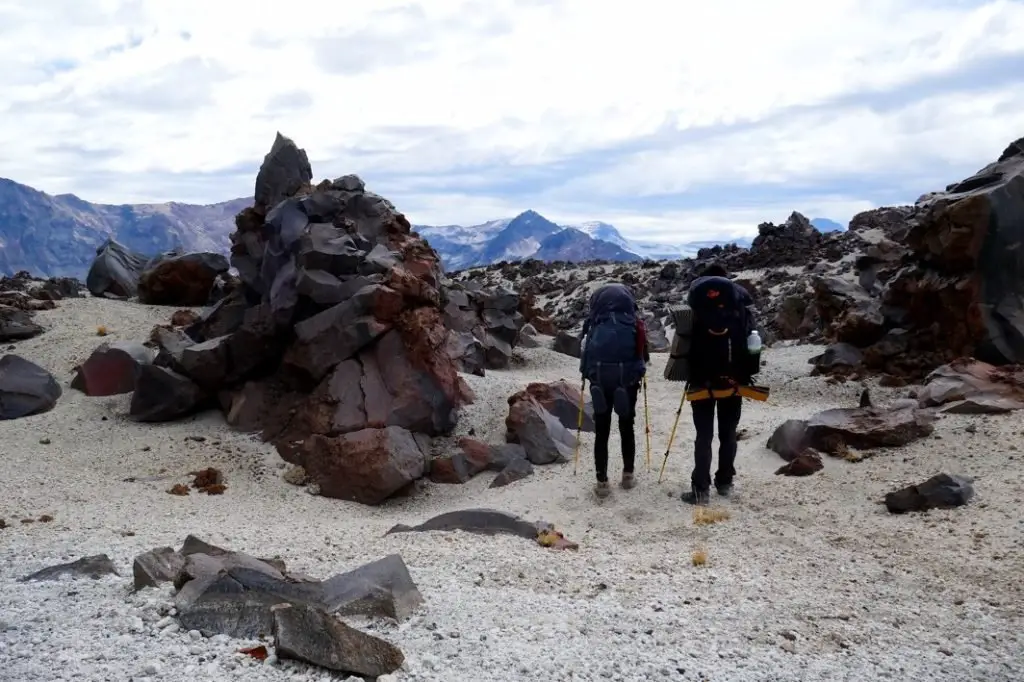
[[334, 344]]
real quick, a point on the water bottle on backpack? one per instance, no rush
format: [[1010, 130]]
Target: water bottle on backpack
[[754, 343]]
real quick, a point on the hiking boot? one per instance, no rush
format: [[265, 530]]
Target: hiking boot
[[602, 489], [724, 489], [700, 498], [628, 481]]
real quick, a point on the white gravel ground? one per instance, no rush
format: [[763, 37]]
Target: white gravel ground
[[810, 579]]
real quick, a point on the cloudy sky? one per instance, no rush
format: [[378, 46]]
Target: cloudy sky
[[673, 120]]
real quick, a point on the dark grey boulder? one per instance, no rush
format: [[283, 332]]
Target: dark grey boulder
[[943, 491], [515, 470], [115, 271], [164, 395], [25, 388], [17, 325], [789, 440], [380, 588]]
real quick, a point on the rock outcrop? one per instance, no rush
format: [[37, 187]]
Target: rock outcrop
[[958, 291], [483, 325], [333, 345], [220, 591], [903, 290], [22, 295]]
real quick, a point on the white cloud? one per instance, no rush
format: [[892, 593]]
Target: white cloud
[[455, 107]]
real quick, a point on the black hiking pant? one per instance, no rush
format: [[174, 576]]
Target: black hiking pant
[[729, 410], [602, 432]]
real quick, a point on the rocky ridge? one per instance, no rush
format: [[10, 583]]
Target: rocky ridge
[[903, 291]]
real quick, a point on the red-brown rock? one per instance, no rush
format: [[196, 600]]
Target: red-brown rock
[[867, 427], [181, 279], [969, 386], [541, 434], [804, 464], [560, 399], [111, 369], [366, 466]]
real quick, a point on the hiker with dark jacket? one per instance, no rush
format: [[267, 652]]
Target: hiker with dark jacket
[[719, 360], [613, 359]]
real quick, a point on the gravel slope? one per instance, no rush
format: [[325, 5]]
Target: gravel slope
[[810, 579]]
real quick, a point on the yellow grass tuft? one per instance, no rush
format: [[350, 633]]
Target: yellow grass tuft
[[102, 330], [700, 557], [705, 516]]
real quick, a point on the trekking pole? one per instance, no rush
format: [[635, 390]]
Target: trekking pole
[[672, 436], [647, 420], [579, 428]]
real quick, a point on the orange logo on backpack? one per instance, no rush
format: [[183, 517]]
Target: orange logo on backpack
[[713, 293]]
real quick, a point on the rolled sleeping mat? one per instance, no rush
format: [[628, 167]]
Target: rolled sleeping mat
[[678, 366]]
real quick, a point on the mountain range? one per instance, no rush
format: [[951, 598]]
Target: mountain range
[[57, 235], [531, 235]]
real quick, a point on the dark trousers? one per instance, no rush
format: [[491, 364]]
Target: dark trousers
[[704, 422], [603, 429]]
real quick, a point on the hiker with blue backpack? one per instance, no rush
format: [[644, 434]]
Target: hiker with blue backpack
[[716, 349], [613, 359]]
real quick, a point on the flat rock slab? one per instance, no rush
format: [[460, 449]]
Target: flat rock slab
[[867, 428], [306, 633], [968, 386], [485, 522], [94, 567], [944, 491]]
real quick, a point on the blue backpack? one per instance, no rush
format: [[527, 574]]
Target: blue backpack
[[611, 357]]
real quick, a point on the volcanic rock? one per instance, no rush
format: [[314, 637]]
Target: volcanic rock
[[115, 271], [112, 368], [25, 388], [181, 279]]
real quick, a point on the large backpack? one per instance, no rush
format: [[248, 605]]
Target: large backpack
[[710, 339], [611, 358]]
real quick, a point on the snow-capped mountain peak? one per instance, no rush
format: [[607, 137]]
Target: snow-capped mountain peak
[[531, 235]]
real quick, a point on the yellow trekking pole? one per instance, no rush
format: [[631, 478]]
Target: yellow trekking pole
[[672, 436], [647, 422], [579, 428]]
